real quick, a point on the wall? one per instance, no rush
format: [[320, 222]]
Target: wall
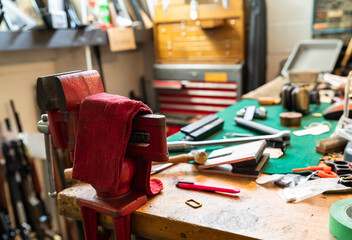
[[19, 71], [127, 77], [18, 74], [288, 22]]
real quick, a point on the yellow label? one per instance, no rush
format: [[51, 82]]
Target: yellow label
[[121, 39], [335, 13], [215, 77]]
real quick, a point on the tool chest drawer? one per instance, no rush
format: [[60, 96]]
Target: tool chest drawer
[[199, 72], [197, 89], [192, 97], [216, 35]]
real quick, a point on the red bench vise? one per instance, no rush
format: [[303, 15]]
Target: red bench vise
[[60, 96]]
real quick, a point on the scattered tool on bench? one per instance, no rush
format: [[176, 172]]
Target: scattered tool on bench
[[83, 119], [275, 147], [198, 156], [268, 100], [323, 171], [280, 136], [342, 168], [329, 145], [254, 126], [346, 180], [199, 187], [339, 167], [246, 160], [202, 128], [252, 112], [233, 134], [263, 129], [290, 119], [243, 154]]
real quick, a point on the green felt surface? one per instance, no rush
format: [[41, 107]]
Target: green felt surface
[[300, 153]]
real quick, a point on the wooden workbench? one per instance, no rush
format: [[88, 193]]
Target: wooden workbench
[[256, 212], [270, 89]]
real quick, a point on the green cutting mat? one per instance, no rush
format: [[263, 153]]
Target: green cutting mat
[[300, 153]]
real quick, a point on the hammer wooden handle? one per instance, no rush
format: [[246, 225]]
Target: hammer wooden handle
[[68, 176], [183, 158]]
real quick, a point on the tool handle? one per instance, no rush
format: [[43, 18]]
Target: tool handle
[[183, 158], [327, 175], [207, 188], [313, 168], [268, 100], [256, 127], [48, 152], [68, 176]]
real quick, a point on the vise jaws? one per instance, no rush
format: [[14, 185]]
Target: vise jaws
[[60, 96]]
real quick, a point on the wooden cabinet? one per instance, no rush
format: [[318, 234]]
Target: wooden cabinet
[[216, 36]]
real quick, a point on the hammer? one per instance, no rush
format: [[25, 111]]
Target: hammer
[[199, 156]]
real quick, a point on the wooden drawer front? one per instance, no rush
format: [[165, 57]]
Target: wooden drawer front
[[187, 42], [178, 11]]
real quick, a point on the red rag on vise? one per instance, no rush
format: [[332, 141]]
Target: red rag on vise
[[104, 128]]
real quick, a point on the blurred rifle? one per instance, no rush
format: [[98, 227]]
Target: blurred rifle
[[25, 188], [6, 231], [6, 228], [17, 197], [30, 215]]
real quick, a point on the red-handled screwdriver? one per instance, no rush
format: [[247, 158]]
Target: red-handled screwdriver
[[193, 186]]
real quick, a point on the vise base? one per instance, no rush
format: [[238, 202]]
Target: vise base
[[119, 208]]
